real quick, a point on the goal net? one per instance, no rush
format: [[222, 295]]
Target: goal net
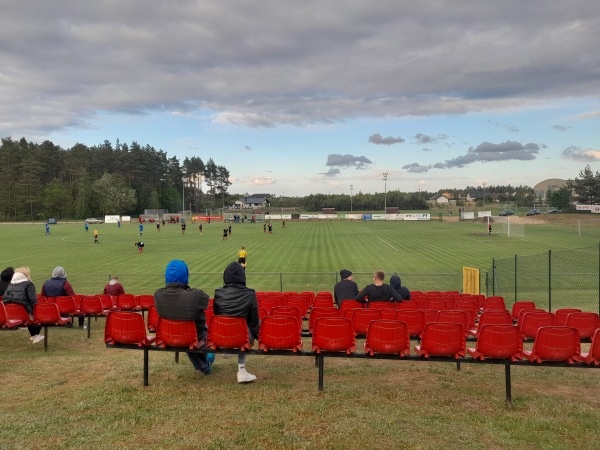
[[508, 225]]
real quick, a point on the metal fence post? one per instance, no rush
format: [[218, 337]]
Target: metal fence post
[[280, 282], [550, 280], [493, 276]]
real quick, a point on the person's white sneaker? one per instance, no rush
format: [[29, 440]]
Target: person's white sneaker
[[37, 338], [85, 326], [245, 377]]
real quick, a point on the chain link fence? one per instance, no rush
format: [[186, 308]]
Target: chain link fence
[[147, 283], [556, 279]]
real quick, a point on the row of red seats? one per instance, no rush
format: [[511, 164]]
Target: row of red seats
[[337, 334]]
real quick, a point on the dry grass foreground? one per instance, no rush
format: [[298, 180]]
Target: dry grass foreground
[[82, 395]]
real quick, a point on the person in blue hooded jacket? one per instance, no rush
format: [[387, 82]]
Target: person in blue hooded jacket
[[396, 283], [178, 301]]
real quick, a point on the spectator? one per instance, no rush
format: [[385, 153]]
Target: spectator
[[58, 286], [22, 291], [178, 301], [234, 299], [114, 287], [378, 291], [5, 278], [346, 289], [396, 283]]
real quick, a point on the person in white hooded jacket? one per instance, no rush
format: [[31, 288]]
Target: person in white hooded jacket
[[22, 291]]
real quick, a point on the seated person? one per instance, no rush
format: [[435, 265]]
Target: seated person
[[378, 291], [346, 289], [114, 287], [396, 283], [178, 301]]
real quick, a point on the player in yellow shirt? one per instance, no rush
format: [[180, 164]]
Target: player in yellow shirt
[[242, 254]]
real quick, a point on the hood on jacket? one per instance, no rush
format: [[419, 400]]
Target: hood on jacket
[[7, 274], [18, 278], [395, 281], [59, 272], [177, 272], [234, 274], [114, 281]]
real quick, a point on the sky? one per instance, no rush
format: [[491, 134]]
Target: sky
[[315, 96]]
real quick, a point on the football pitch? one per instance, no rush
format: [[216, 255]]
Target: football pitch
[[309, 253]]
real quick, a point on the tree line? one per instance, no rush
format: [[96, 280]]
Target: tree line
[[39, 181]]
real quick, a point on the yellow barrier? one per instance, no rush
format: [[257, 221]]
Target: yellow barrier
[[470, 280]]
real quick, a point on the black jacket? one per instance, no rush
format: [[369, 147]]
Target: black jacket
[[345, 290], [234, 299], [178, 301], [22, 294], [396, 283], [383, 293]]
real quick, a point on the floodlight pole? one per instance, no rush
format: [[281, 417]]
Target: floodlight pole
[[351, 197], [385, 177], [484, 193]]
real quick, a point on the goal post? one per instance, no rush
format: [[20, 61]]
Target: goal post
[[509, 226], [587, 226]]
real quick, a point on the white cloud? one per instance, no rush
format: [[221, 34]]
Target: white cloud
[[581, 154]]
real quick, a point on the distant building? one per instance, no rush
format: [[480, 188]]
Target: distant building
[[256, 201], [543, 188]]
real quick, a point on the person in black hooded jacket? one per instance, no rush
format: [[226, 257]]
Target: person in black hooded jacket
[[396, 283], [5, 278], [234, 299]]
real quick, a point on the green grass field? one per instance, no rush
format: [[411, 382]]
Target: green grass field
[[80, 394], [428, 255]]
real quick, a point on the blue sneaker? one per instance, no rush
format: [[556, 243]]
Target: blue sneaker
[[210, 359]]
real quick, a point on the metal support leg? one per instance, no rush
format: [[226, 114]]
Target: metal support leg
[[316, 361], [46, 338], [176, 357], [145, 367], [89, 325], [321, 363], [457, 365], [508, 385]]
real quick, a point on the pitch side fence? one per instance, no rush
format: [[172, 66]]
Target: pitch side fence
[[556, 279]]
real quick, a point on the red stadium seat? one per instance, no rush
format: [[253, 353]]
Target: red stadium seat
[[126, 302], [532, 321], [262, 312], [16, 315], [333, 334], [66, 305], [498, 342], [317, 313], [586, 323], [523, 311], [438, 305], [47, 314], [8, 322], [324, 295], [362, 317], [442, 339], [145, 301], [492, 317], [350, 304], [454, 316], [92, 305], [387, 337], [280, 333], [177, 333], [593, 355], [561, 315], [269, 302], [430, 315], [228, 332], [323, 303], [555, 344], [414, 319], [107, 303], [126, 327], [382, 305], [299, 302], [520, 305], [287, 311]]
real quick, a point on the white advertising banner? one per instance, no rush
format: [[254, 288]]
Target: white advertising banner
[[111, 219], [595, 209], [468, 215], [484, 214], [584, 207]]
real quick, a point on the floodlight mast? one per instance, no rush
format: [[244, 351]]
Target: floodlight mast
[[385, 177], [351, 186]]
